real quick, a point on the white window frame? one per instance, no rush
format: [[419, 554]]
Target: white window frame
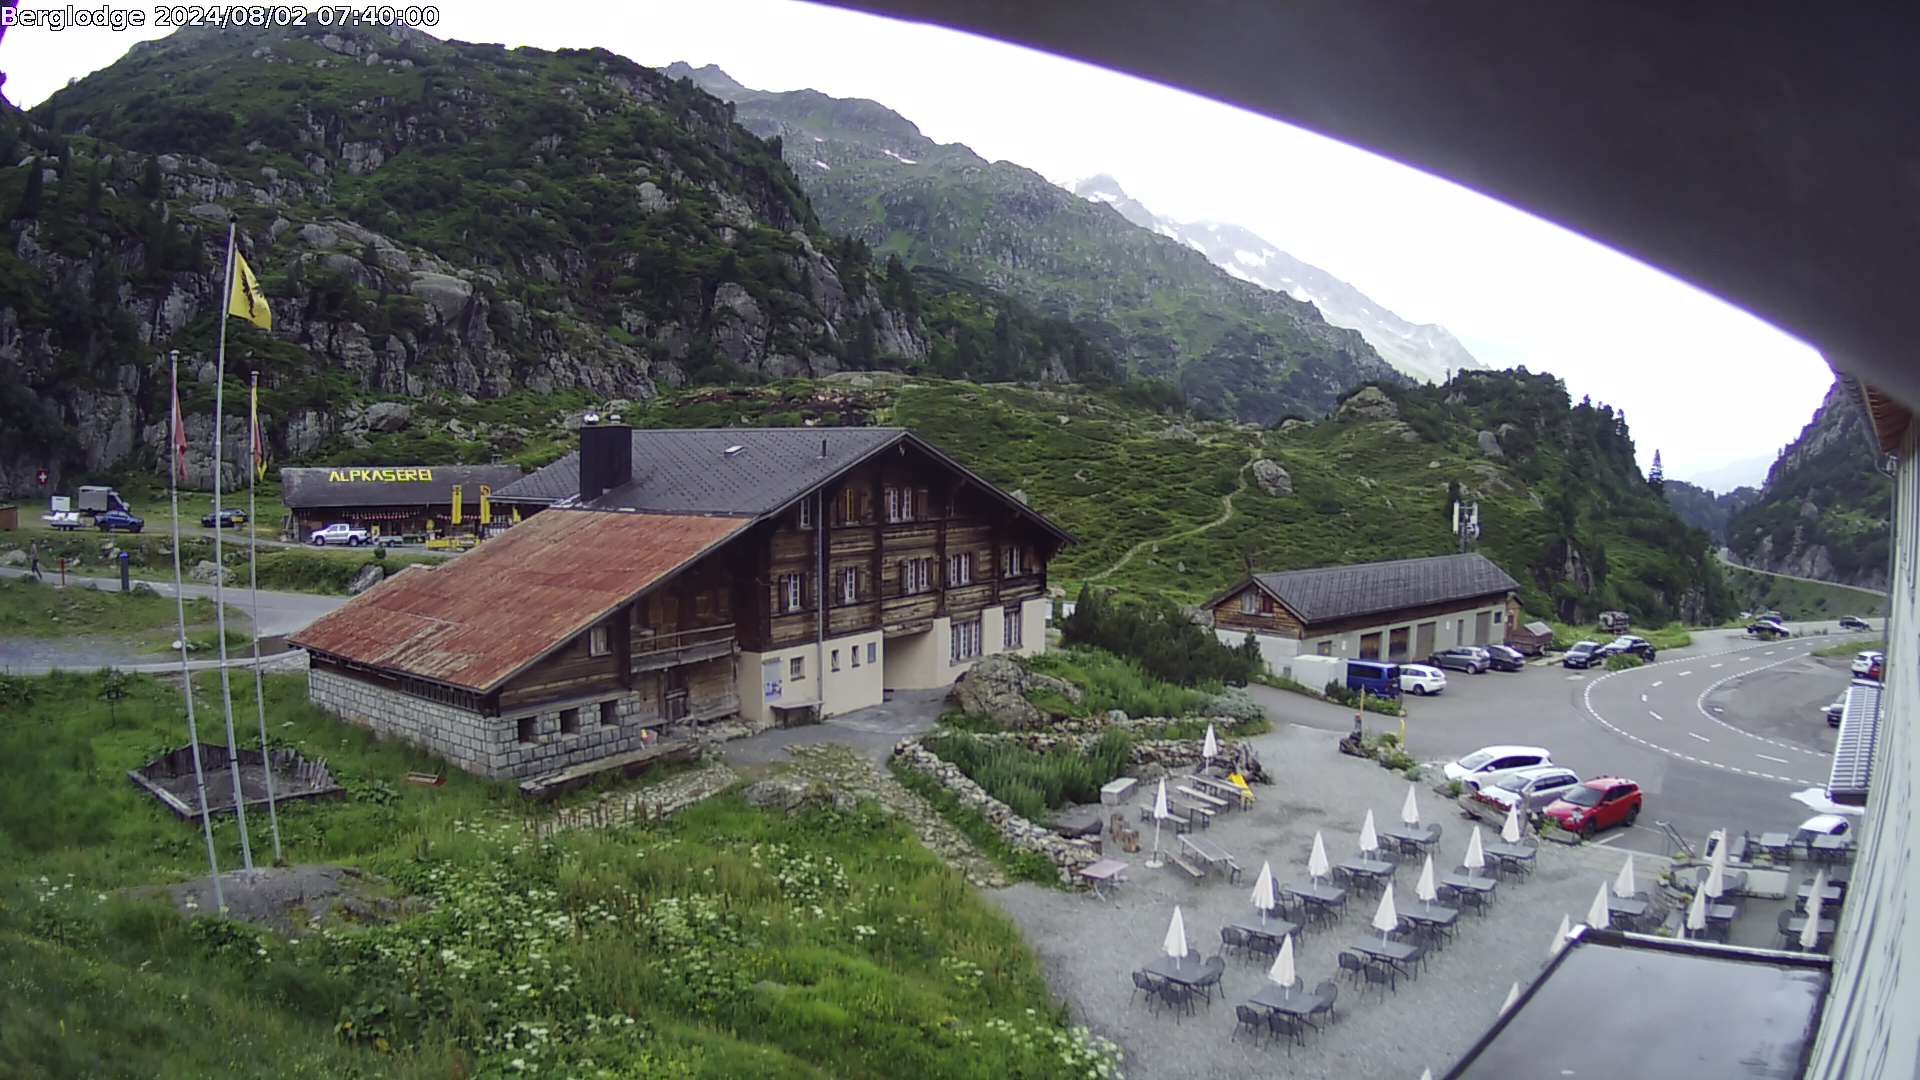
[[796, 668], [892, 496], [836, 660], [959, 570], [1011, 633], [600, 641], [1249, 603], [873, 651], [793, 593], [853, 654], [806, 513], [849, 586], [964, 641]]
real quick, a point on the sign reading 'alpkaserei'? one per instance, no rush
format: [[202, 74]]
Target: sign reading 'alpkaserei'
[[386, 476]]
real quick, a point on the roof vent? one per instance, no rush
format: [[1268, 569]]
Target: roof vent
[[734, 449], [823, 449]]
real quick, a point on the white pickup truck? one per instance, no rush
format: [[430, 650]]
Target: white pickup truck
[[339, 533]]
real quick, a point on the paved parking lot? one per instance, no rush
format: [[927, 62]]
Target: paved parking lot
[[1089, 948]]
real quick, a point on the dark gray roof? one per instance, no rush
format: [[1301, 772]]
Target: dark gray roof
[[689, 471], [1341, 592], [391, 485]]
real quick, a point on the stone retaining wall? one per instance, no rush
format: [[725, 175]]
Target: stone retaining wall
[[1018, 832]]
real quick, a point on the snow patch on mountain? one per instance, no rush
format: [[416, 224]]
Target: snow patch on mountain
[[901, 160]]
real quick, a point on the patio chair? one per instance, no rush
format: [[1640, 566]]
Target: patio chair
[[1281, 1024], [1144, 983], [1433, 837], [1416, 962], [1351, 965], [1327, 992], [1177, 997], [1249, 1018], [1787, 937], [1383, 976], [1231, 938], [1210, 980]]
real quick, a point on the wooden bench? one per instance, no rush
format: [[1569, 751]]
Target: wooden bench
[[1179, 823], [1199, 815], [1174, 858], [1224, 789], [1203, 798], [1213, 856]]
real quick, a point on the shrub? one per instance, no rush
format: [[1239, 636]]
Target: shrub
[[1166, 644], [1623, 662], [1413, 772], [1019, 863], [1114, 682], [1033, 783]]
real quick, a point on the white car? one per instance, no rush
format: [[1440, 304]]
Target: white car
[[1475, 768], [1421, 679], [1533, 787], [1863, 662], [1821, 825], [339, 533]]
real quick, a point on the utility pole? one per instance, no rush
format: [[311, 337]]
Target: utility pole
[[1466, 523]]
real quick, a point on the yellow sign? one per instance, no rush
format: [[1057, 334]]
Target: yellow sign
[[486, 509], [456, 504], [384, 476]]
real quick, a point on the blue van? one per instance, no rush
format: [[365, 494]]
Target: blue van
[[1376, 677]]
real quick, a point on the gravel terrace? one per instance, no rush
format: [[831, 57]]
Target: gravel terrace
[[1089, 948]]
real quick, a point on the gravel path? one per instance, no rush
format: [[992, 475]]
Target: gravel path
[[1088, 948]]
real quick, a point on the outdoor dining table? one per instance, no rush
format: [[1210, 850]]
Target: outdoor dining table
[[1777, 844], [1473, 883], [1409, 835], [1832, 895], [1316, 895], [1296, 1002], [1368, 868], [1270, 931], [1721, 912], [1104, 875], [1393, 952], [1798, 923], [1431, 914], [1630, 906], [1831, 848], [1187, 972]]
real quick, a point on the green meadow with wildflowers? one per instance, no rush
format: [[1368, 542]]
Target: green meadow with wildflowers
[[726, 942]]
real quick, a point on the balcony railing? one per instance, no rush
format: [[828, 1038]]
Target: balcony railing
[[685, 646]]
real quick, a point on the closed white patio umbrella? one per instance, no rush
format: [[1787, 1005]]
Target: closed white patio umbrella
[[1176, 942], [1623, 885], [1598, 916], [1476, 854], [1159, 813], [1560, 936], [1369, 840], [1263, 898], [1510, 829], [1410, 810], [1810, 933], [1717, 869], [1697, 913], [1282, 969], [1317, 864], [1513, 995], [1210, 748], [1385, 918], [1424, 889]]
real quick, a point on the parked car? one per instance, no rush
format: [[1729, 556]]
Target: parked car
[[1421, 679], [1475, 768], [1821, 825], [1376, 677], [1869, 664], [118, 521], [1834, 711], [1505, 658], [1627, 644], [1600, 803], [229, 518], [1768, 629], [339, 533], [1853, 622], [1582, 655], [62, 520], [1533, 788], [1471, 659]]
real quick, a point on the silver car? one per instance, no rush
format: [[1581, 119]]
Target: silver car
[[1533, 787]]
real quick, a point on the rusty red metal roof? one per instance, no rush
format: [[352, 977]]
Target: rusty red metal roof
[[476, 620]]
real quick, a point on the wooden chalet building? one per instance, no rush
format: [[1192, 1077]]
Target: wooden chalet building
[[683, 577], [1403, 611]]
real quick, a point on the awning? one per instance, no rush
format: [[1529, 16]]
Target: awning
[[1859, 734]]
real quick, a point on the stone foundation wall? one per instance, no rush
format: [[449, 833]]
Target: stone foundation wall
[[1018, 832], [487, 745]]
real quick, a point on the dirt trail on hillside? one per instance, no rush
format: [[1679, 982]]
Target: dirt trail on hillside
[[1226, 511]]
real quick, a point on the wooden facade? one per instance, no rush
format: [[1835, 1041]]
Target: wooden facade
[[889, 545], [1268, 617], [1273, 618]]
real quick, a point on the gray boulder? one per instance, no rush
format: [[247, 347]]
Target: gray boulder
[[996, 687], [388, 416], [370, 575], [206, 571], [1490, 445], [15, 557], [1272, 478], [1369, 403]]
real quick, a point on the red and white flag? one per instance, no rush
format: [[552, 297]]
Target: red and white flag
[[179, 433]]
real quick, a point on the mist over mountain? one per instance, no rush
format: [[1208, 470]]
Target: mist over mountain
[[1425, 351]]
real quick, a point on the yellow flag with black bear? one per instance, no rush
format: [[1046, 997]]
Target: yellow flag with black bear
[[248, 302]]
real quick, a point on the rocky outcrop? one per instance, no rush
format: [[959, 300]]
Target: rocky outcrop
[[370, 575], [1368, 403], [207, 572], [997, 686], [1490, 445], [1272, 478]]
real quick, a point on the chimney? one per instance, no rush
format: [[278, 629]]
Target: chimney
[[606, 457]]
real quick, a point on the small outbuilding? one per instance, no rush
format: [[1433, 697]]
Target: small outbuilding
[[1402, 611], [389, 500]]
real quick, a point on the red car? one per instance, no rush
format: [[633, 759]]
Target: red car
[[1600, 803]]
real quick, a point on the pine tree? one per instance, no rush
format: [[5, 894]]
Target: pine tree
[[29, 207], [1657, 476]]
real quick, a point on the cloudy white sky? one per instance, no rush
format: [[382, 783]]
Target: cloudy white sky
[[1703, 382]]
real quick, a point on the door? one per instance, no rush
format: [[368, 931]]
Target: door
[[1482, 627], [1423, 638], [673, 694], [1370, 646], [1397, 644]]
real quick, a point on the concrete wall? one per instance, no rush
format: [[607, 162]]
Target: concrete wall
[[487, 745], [1277, 652], [854, 686], [1454, 628]]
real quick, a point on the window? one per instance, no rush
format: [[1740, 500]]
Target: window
[[836, 659], [899, 504], [1249, 602], [1497, 615], [916, 575], [724, 596], [525, 727], [872, 651], [919, 504], [609, 713], [569, 721], [1012, 634], [598, 643], [965, 643], [703, 605], [1015, 561], [806, 513], [854, 653], [959, 570], [797, 668], [849, 586], [791, 591], [854, 506], [1324, 648]]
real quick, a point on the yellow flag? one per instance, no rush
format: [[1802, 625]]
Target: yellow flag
[[486, 505], [456, 504], [248, 302]]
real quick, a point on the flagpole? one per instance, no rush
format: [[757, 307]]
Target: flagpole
[[180, 611], [220, 565], [255, 467]]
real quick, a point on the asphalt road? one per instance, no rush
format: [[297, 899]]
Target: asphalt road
[[1728, 730], [280, 612]]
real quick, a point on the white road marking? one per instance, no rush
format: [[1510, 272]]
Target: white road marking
[[1643, 699], [1769, 652], [1657, 682], [1575, 678], [1683, 675], [1702, 738], [1716, 665], [1769, 757], [1656, 716], [1608, 840]]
